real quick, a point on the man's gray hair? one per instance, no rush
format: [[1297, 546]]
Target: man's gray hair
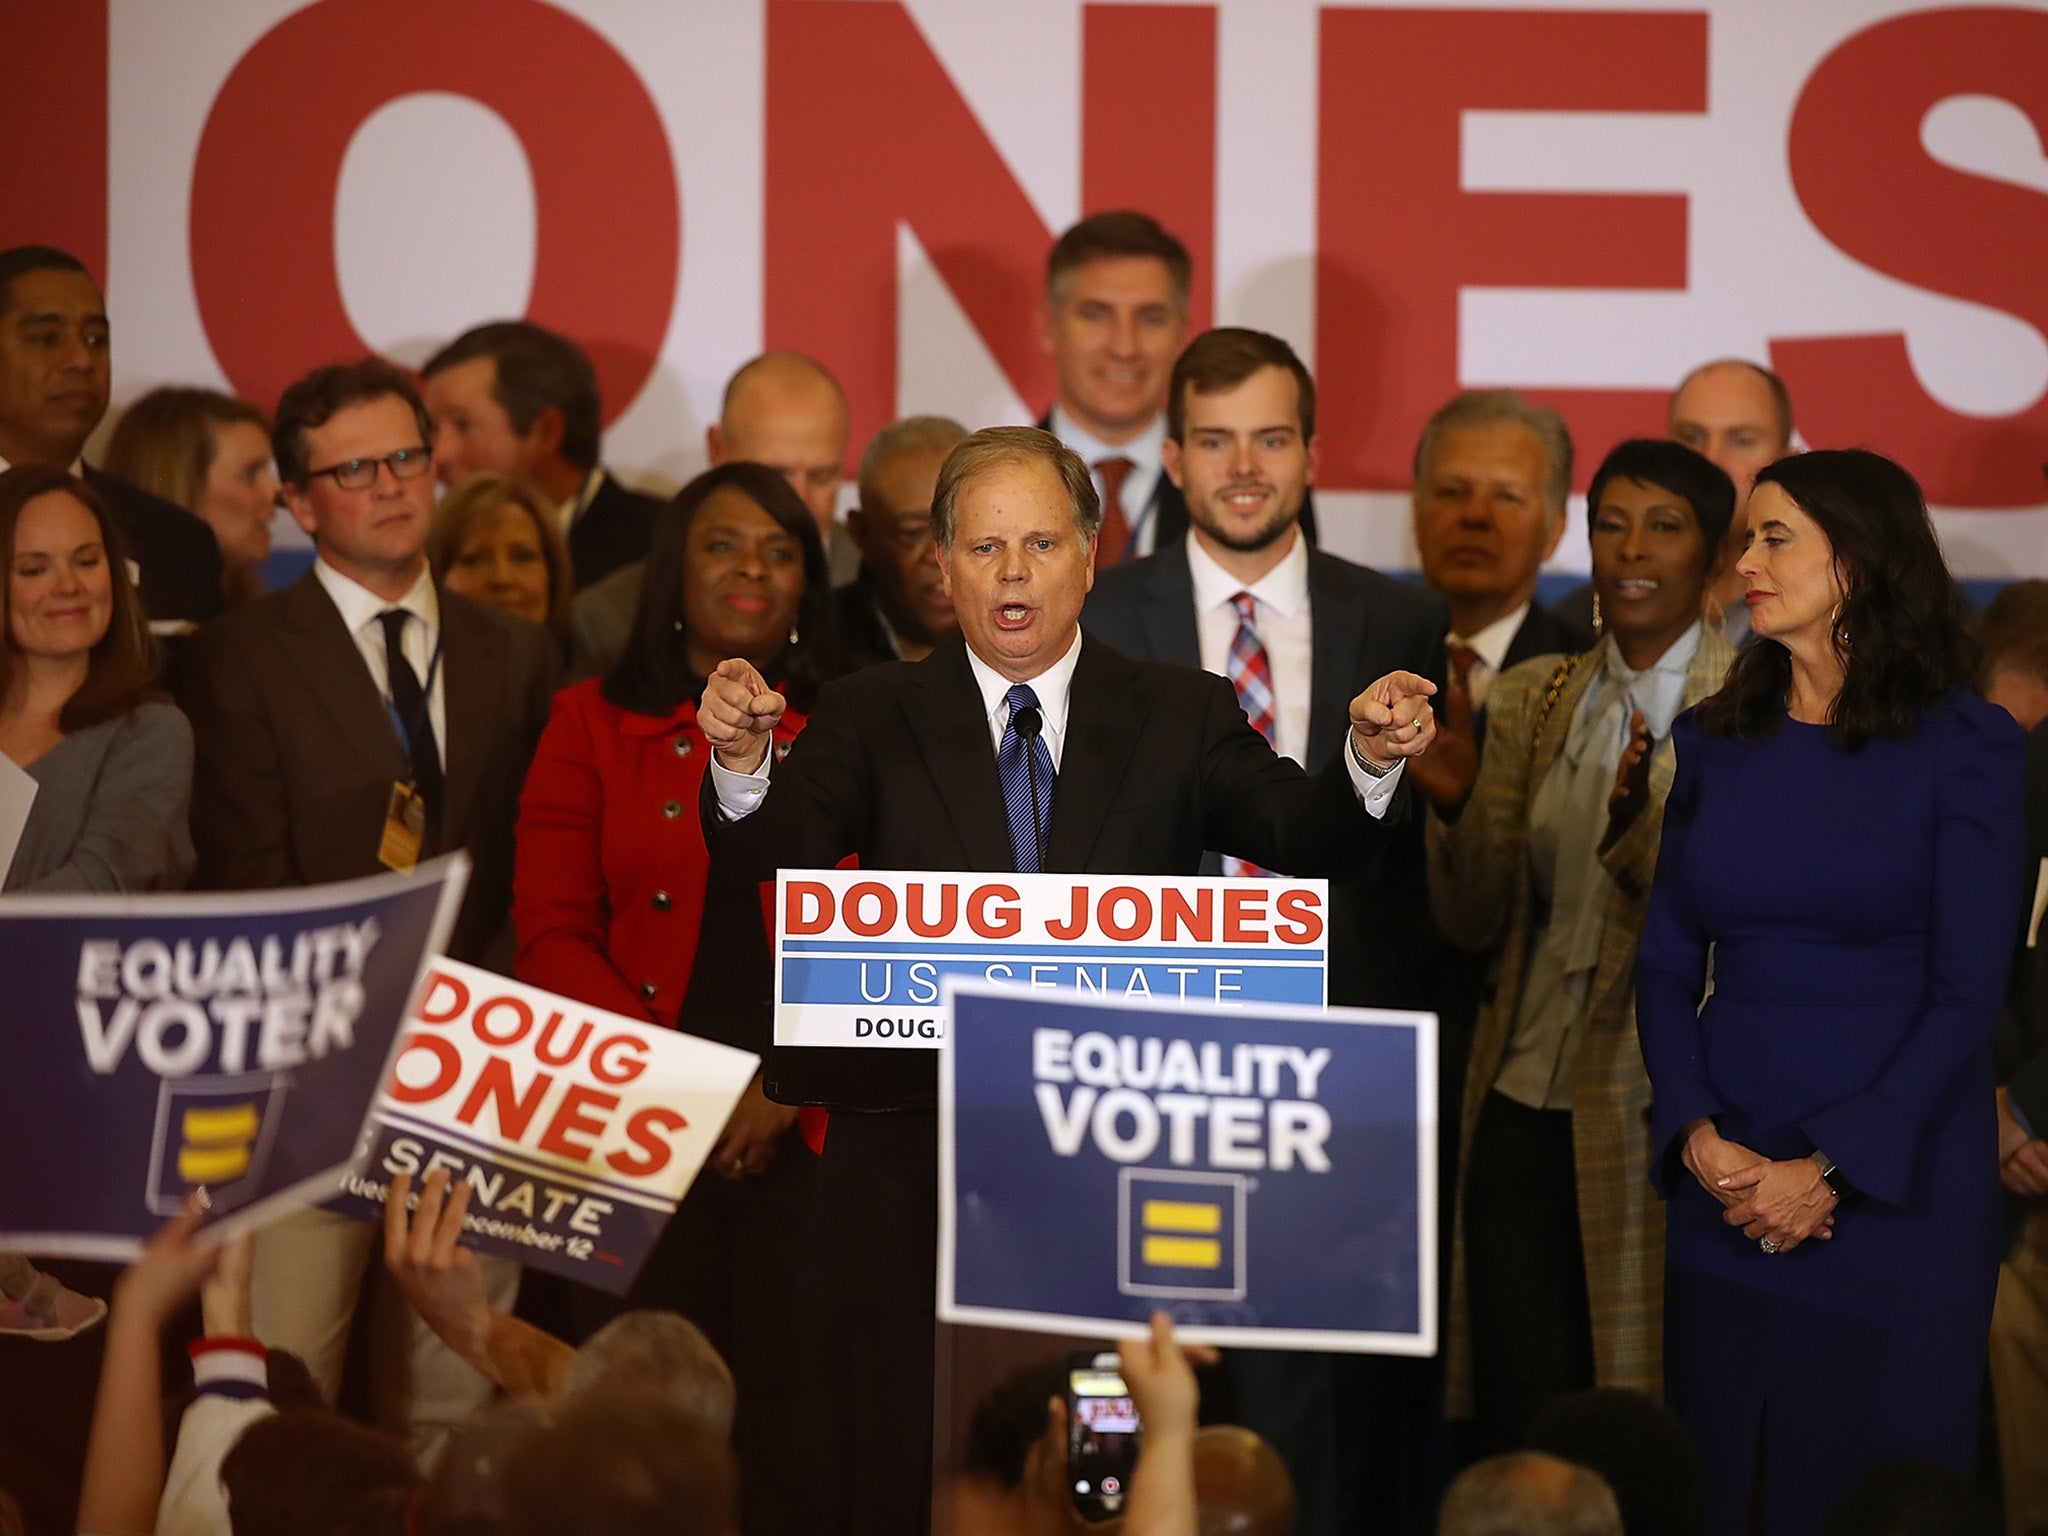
[[659, 1353], [991, 447], [913, 434], [1527, 1493], [1492, 407]]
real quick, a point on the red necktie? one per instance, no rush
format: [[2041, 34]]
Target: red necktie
[[1113, 545]]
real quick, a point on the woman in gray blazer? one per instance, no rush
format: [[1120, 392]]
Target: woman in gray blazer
[[111, 761]]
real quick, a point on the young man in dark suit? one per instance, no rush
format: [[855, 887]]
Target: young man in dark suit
[[55, 376], [513, 399], [1140, 768], [308, 707], [1243, 596]]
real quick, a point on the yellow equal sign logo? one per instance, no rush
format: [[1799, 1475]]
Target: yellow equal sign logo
[[1174, 1234], [215, 1142]]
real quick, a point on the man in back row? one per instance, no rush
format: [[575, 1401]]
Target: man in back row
[[509, 398], [896, 607], [1018, 746], [55, 375]]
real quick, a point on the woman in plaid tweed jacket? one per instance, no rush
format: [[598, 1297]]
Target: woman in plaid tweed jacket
[[1557, 1256]]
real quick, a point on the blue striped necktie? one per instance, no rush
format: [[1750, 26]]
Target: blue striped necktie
[[1021, 761]]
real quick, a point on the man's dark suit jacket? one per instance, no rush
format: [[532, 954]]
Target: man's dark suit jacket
[[856, 613], [896, 765], [1362, 626], [1575, 608], [2022, 1045], [176, 550], [613, 530], [1169, 510], [296, 753], [1543, 632]]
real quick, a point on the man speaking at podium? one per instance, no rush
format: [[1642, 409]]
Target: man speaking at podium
[[1015, 747]]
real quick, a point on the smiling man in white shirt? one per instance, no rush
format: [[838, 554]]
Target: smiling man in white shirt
[[1292, 629]]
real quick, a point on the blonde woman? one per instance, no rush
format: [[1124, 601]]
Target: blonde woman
[[209, 453], [495, 539]]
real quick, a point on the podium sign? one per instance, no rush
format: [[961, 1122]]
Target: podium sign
[[861, 956], [1265, 1173]]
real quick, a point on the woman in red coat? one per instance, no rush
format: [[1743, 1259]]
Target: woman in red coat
[[614, 901]]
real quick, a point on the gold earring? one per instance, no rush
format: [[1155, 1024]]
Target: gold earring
[[792, 633], [1599, 623]]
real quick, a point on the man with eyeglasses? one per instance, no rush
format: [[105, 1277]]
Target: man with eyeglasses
[[896, 607], [360, 701]]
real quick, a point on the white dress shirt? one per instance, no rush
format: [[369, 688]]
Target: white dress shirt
[[1281, 618], [359, 608], [1054, 687], [1490, 648], [1146, 467], [567, 513]]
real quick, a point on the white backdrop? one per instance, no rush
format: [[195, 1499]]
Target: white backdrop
[[435, 222]]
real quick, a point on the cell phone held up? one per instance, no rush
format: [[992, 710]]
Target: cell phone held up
[[1102, 1434]]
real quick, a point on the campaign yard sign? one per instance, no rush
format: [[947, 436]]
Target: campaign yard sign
[[861, 956], [163, 1043], [579, 1129], [1265, 1173]]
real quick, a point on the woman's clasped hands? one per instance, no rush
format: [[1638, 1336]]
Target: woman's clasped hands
[[1778, 1205]]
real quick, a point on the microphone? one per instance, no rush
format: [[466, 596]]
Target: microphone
[[1027, 723]]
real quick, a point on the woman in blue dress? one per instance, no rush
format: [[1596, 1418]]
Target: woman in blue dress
[[1842, 851]]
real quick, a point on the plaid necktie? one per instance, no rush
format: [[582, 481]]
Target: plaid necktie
[[1251, 674]]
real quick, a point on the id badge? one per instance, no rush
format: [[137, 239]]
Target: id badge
[[405, 828]]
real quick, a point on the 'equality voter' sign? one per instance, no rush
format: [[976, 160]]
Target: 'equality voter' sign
[[862, 955], [162, 1043], [1266, 1174], [579, 1129]]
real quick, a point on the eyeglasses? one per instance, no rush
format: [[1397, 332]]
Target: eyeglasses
[[361, 474]]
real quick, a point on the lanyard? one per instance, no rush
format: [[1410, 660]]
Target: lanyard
[[423, 715]]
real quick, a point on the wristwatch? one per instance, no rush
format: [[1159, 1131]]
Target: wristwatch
[[1364, 762], [1832, 1176]]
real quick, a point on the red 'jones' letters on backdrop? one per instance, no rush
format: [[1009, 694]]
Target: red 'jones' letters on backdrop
[[854, 150]]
